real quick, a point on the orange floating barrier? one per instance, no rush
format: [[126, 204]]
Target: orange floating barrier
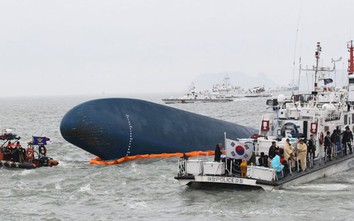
[[99, 161]]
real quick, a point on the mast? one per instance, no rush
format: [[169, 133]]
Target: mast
[[317, 55], [350, 73], [334, 68], [351, 58]]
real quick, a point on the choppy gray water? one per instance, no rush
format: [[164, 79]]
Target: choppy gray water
[[146, 189]]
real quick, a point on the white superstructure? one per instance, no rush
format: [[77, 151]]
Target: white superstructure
[[325, 109]]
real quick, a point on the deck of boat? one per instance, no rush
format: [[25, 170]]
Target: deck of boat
[[318, 170], [316, 167]]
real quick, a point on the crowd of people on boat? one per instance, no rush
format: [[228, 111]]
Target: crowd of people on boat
[[303, 155], [14, 152], [297, 154]]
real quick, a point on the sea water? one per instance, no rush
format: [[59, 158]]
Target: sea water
[[146, 189]]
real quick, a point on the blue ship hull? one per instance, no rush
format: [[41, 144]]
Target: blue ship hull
[[117, 127]]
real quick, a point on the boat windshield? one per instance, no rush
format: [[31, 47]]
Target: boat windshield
[[303, 98]]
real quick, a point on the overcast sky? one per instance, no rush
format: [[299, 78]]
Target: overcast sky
[[127, 47]]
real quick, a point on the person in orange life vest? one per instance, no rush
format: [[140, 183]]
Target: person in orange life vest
[[15, 151], [9, 144]]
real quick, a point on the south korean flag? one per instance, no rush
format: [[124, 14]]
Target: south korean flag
[[238, 150]]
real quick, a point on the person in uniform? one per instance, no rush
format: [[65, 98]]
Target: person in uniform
[[11, 145], [333, 141], [14, 151], [272, 150], [184, 156], [347, 140], [6, 150], [338, 141], [263, 160], [217, 155], [302, 153], [47, 161], [328, 146], [311, 147]]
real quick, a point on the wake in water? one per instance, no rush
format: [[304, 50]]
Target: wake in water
[[322, 187]]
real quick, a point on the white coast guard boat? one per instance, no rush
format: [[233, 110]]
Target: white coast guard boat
[[258, 92], [326, 108], [193, 96]]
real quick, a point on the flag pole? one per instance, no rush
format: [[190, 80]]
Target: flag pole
[[230, 171], [225, 140]]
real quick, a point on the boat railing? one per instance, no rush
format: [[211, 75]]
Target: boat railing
[[310, 159], [229, 167], [226, 168], [201, 167], [182, 167]]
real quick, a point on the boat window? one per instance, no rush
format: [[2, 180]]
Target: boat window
[[302, 97], [289, 128], [307, 97], [351, 80], [345, 119]]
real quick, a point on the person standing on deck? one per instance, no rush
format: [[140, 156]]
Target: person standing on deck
[[311, 147], [272, 150], [347, 140], [302, 153], [217, 155], [338, 141], [289, 153], [333, 142], [328, 146]]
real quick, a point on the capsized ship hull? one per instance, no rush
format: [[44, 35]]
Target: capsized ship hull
[[117, 127]]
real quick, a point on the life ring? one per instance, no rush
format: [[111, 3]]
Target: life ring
[[29, 153], [265, 125], [42, 150], [320, 139]]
